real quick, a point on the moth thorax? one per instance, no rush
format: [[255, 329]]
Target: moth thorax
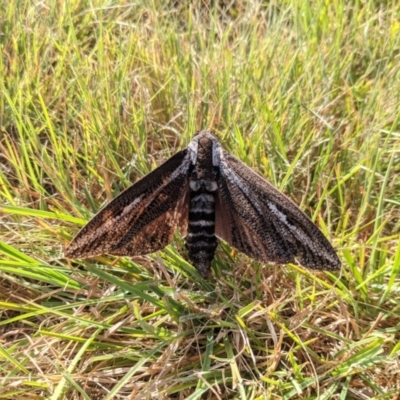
[[204, 168]]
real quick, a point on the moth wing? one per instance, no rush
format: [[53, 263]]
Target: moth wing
[[143, 218], [260, 221], [157, 234]]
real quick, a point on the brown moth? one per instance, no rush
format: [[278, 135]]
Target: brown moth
[[207, 193]]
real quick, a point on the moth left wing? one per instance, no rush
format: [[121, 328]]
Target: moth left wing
[[260, 221], [143, 218]]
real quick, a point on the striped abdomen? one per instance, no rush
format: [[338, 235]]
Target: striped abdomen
[[200, 239]]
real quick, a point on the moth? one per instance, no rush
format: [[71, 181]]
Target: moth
[[206, 193]]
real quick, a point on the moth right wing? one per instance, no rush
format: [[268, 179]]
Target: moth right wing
[[143, 218], [258, 220]]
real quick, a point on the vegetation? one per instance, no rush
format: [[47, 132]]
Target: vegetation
[[95, 94]]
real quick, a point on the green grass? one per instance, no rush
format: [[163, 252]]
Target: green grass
[[95, 94]]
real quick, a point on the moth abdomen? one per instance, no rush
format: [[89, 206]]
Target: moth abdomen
[[200, 239]]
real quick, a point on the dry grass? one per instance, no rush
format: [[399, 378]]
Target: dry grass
[[95, 95]]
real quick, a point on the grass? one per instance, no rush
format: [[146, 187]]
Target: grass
[[96, 94]]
